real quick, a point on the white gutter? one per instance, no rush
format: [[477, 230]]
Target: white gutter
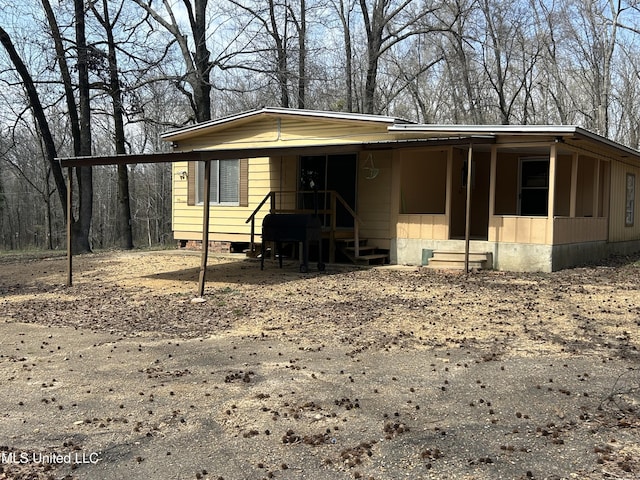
[[485, 129]]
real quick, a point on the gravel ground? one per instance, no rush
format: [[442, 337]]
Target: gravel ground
[[384, 373]]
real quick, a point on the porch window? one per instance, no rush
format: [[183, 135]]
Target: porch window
[[534, 187], [224, 185]]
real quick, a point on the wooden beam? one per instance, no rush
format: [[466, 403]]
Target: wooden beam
[[131, 159], [69, 228], [467, 227], [575, 164], [205, 227], [449, 190], [596, 188], [553, 157], [492, 180], [253, 152]]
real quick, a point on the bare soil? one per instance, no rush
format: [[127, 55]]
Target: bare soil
[[384, 373]]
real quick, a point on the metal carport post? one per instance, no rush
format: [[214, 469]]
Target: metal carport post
[[69, 163]]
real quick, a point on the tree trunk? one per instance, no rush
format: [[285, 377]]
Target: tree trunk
[[281, 54], [344, 13], [302, 55], [40, 117], [82, 226], [202, 88], [198, 64], [124, 231]]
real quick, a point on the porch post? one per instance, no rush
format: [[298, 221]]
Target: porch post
[[552, 191], [574, 185], [467, 228], [69, 228], [596, 188], [492, 186], [447, 205], [205, 226]]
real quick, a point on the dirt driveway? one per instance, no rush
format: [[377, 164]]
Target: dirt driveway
[[384, 373]]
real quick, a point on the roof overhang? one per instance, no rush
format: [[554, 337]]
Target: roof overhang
[[240, 118], [234, 153], [563, 133]]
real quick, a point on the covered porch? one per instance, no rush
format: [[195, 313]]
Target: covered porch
[[527, 204]]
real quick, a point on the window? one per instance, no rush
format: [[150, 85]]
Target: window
[[630, 200], [225, 182], [534, 187]]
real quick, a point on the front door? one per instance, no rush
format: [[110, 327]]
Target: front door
[[321, 173]]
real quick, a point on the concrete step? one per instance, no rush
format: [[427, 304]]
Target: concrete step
[[459, 256], [455, 260], [451, 265]]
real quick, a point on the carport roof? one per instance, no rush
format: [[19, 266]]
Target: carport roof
[[234, 153]]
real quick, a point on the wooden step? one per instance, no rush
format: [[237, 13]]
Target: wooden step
[[367, 254], [362, 249], [350, 241], [455, 260], [373, 258]]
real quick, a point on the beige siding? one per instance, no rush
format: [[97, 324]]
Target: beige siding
[[226, 222], [294, 130], [373, 204], [513, 229], [259, 132], [562, 203], [579, 229], [427, 227], [618, 232], [271, 132], [284, 178]]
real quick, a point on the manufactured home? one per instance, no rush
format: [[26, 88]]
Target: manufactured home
[[540, 198]]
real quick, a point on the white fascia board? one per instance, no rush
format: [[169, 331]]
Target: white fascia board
[[496, 130], [360, 117], [438, 130]]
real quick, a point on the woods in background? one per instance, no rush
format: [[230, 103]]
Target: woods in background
[[103, 77]]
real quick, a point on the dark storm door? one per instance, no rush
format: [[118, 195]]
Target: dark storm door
[[326, 173]]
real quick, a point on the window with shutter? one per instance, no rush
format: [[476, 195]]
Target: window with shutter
[[229, 182], [224, 185]]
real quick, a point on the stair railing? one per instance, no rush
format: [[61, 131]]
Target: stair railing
[[335, 199], [252, 218], [356, 221]]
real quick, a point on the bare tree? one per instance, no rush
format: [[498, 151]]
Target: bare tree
[[123, 224], [197, 62], [594, 36], [509, 56], [274, 20], [388, 23], [39, 115], [344, 9]]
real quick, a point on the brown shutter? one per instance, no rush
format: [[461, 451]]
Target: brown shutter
[[244, 182], [192, 172]]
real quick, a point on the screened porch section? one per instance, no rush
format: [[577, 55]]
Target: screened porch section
[[424, 209], [528, 187], [535, 195]]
